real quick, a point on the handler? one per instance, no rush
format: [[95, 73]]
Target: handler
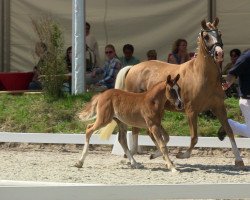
[[240, 69]]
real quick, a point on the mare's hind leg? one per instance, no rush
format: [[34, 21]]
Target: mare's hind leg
[[158, 132], [122, 138], [192, 121], [221, 114]]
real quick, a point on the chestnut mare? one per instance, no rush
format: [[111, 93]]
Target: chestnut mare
[[142, 110], [200, 84]]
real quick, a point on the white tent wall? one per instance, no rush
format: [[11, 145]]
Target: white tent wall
[[23, 37], [147, 24], [234, 24]]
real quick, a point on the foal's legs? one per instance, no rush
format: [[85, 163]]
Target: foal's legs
[[220, 112], [100, 122], [135, 134], [158, 152], [89, 131], [158, 132], [192, 121], [122, 138]]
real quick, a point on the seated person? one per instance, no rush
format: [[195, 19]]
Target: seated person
[[179, 53], [234, 55], [109, 70], [41, 52], [68, 59], [233, 90], [128, 58], [152, 54], [88, 74]]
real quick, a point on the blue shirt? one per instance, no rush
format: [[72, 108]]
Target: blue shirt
[[241, 69], [110, 70]]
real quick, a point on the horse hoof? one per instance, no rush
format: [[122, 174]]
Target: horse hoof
[[79, 164], [221, 134], [137, 166], [239, 164], [181, 155], [173, 170], [151, 157]]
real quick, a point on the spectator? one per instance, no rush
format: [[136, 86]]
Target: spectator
[[179, 53], [68, 59], [233, 90], [241, 70], [152, 55], [234, 55], [92, 50], [109, 70], [41, 52], [128, 58]]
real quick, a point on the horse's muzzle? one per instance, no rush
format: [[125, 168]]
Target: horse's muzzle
[[219, 54], [179, 105]]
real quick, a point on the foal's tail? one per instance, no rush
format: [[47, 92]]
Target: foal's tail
[[106, 131], [89, 112], [120, 78]]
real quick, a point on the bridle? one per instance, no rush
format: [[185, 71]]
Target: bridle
[[214, 33]]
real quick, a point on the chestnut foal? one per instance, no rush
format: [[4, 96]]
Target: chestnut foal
[[142, 110]]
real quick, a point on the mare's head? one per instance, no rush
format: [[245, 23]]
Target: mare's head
[[173, 92], [210, 40]]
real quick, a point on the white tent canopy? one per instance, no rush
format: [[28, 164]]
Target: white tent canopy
[[146, 24]]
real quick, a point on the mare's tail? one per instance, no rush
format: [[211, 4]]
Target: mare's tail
[[106, 131], [89, 112], [120, 78]]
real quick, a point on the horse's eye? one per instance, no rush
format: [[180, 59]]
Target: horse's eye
[[206, 37]]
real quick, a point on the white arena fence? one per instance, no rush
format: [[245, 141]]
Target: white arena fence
[[19, 190]]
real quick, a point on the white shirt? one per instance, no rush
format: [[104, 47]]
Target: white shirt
[[93, 45]]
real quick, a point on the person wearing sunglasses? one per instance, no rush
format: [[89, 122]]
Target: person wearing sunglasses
[[110, 69]]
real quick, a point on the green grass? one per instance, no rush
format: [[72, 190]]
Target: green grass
[[33, 113]]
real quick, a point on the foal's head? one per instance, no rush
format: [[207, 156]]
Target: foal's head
[[211, 40], [173, 92]]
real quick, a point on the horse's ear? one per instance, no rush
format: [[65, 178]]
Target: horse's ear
[[216, 22], [176, 78], [168, 79], [204, 24]]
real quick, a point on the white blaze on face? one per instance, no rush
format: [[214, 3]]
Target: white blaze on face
[[178, 99], [219, 54], [218, 50]]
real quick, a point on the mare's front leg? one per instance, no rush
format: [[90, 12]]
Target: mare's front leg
[[221, 114], [192, 122], [122, 138], [158, 132]]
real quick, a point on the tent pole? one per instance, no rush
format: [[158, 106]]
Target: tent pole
[[78, 47]]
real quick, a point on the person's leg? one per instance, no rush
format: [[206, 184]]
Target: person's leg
[[238, 128], [34, 86]]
